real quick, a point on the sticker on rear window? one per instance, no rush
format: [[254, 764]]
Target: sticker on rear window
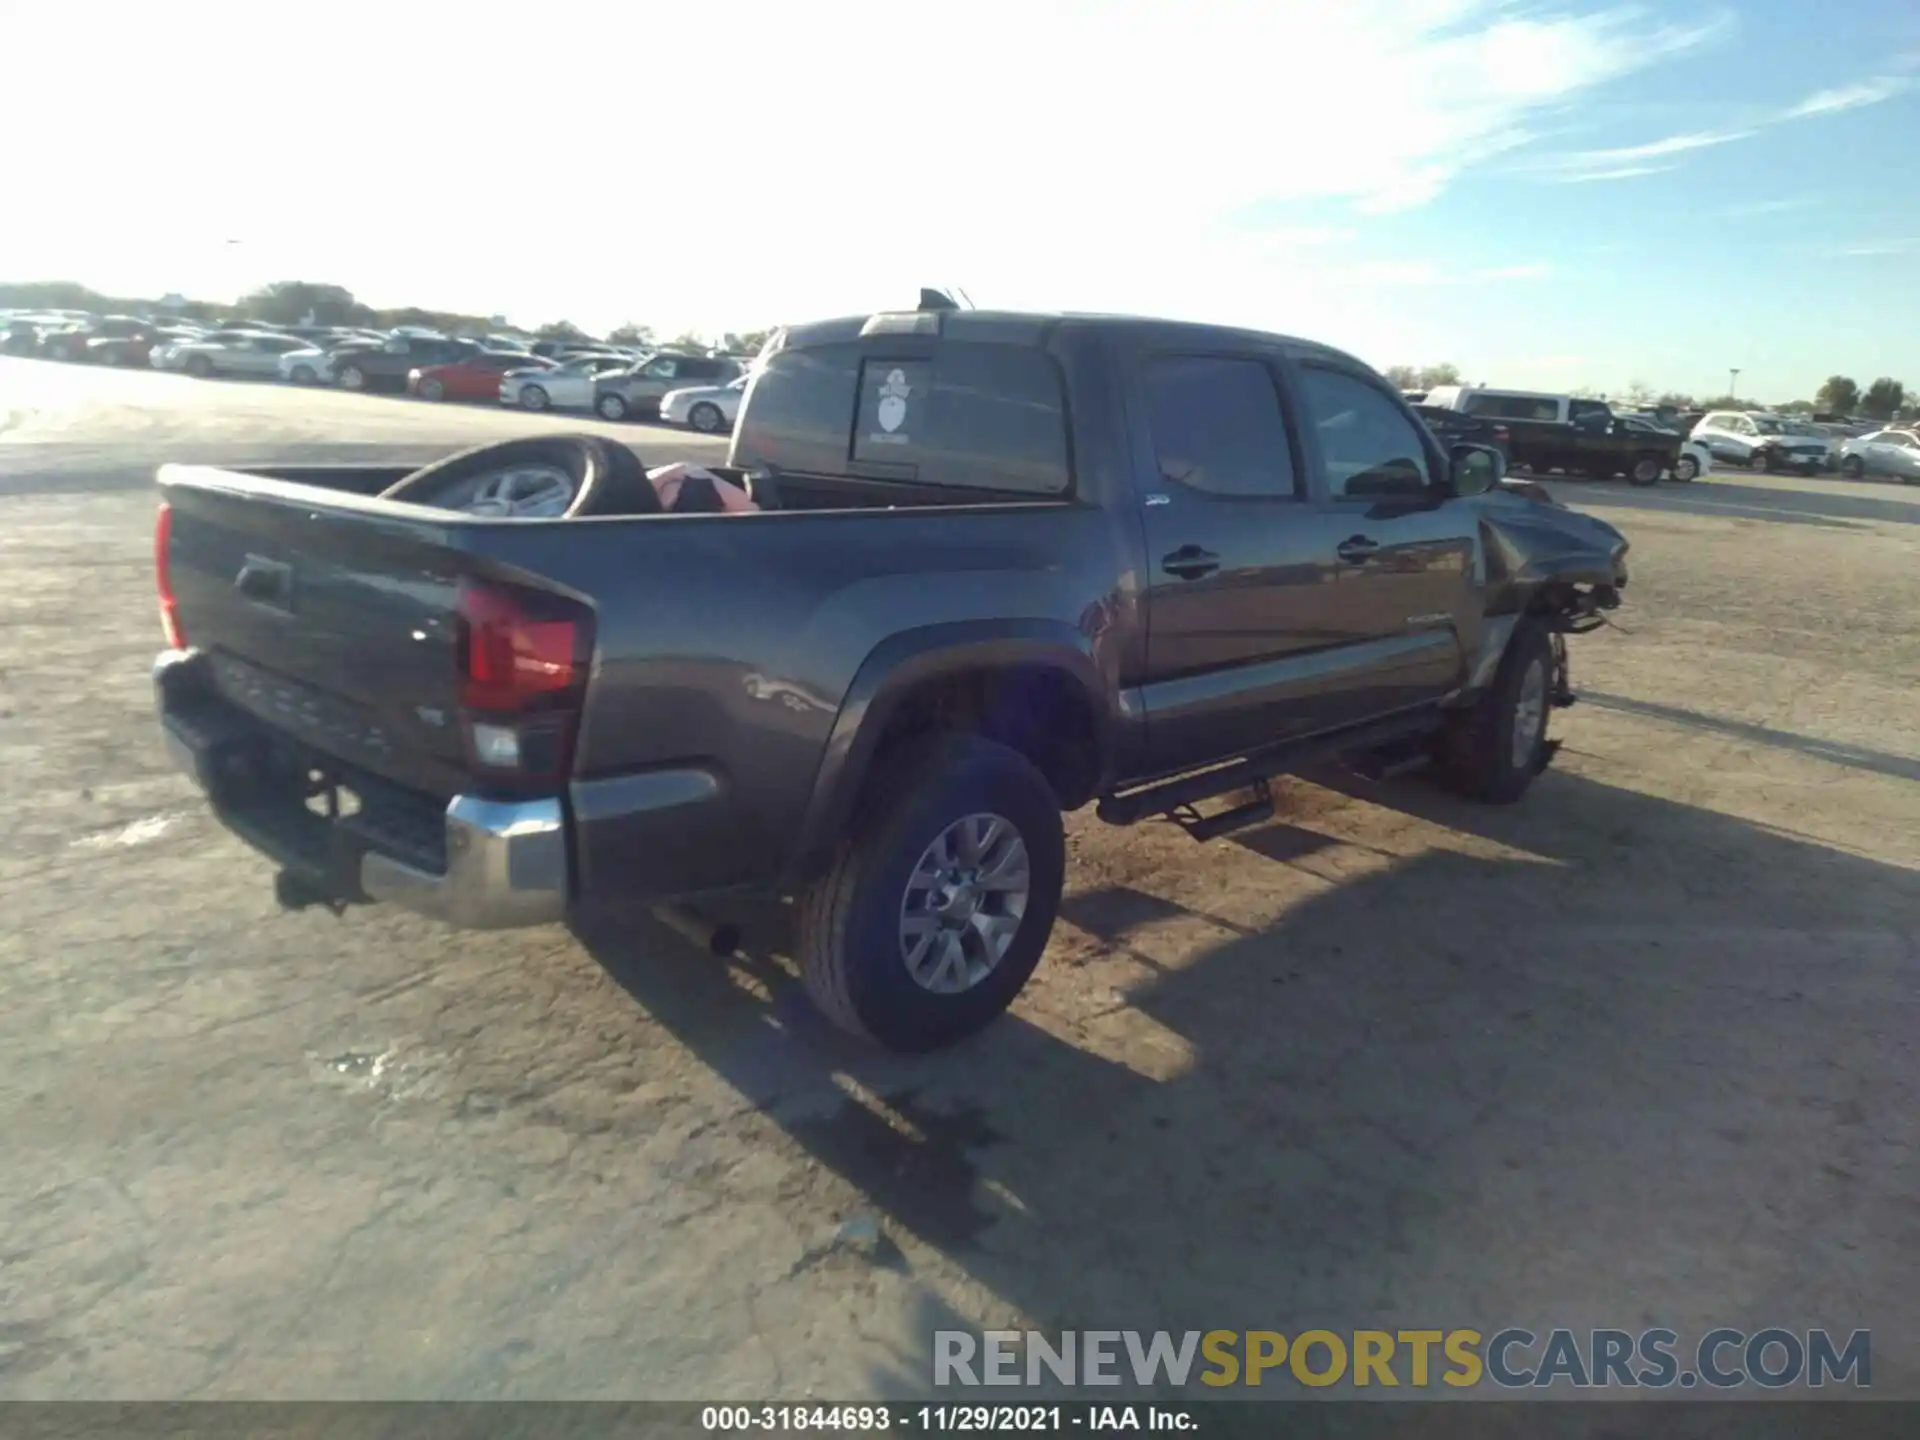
[[891, 411]]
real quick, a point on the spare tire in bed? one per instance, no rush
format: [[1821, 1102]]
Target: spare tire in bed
[[550, 476]]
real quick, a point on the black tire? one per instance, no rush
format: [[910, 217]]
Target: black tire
[[707, 418], [1686, 468], [608, 478], [303, 375], [200, 367], [849, 944], [1476, 752], [432, 390], [1854, 468], [532, 397], [1761, 461], [611, 406], [1644, 470], [352, 377]]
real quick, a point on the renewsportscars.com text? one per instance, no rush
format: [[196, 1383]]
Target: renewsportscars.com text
[[1513, 1359]]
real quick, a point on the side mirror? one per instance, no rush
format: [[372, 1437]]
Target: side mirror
[[1476, 469]]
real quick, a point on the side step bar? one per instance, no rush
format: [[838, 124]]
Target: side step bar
[[1167, 797]]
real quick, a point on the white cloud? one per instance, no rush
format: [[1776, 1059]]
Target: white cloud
[[1625, 172], [1848, 97], [1880, 247], [797, 159]]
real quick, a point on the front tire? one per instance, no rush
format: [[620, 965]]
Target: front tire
[[936, 908], [303, 375], [706, 418], [1686, 468], [1761, 462], [1645, 471], [200, 367], [1492, 750], [1854, 468], [432, 390], [532, 397], [611, 407], [352, 377]]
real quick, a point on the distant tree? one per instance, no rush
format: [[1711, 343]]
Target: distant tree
[[744, 342], [1838, 394], [1640, 393], [1403, 377], [1676, 399], [299, 302], [632, 334], [1884, 396], [1723, 402], [1585, 392], [561, 330], [1445, 373], [1795, 407], [689, 340]]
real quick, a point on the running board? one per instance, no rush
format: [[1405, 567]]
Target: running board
[[1165, 797]]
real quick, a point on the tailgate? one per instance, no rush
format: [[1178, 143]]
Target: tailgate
[[337, 626]]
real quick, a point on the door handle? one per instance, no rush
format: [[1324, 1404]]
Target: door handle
[[1190, 562], [1357, 549]]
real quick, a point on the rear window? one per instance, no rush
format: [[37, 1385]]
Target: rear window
[[974, 416]]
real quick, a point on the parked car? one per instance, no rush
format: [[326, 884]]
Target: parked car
[[639, 387], [72, 343], [709, 409], [225, 352], [477, 377], [387, 366], [1005, 584], [1759, 440], [567, 385], [1894, 452], [136, 348]]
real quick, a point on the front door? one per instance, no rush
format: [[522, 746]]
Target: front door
[[1244, 643], [1405, 586]]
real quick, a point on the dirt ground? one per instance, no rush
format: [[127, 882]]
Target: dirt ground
[[1639, 1051]]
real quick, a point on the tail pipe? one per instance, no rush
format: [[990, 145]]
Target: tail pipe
[[716, 937]]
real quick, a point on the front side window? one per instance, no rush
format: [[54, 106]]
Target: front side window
[[1217, 427], [1370, 448]]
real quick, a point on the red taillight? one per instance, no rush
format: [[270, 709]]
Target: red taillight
[[163, 579], [513, 655], [524, 657]]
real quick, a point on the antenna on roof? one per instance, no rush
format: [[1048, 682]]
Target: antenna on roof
[[936, 300], [965, 298]]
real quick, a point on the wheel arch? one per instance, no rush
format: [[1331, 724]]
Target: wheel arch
[[905, 686]]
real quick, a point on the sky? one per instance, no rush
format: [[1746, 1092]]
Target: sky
[[1546, 195]]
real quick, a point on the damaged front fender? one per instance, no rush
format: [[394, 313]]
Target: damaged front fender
[[1545, 559]]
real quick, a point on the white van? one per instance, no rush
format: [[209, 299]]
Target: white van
[[1515, 404]]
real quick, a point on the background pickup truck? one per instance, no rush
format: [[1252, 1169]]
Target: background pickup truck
[[1597, 445], [1003, 566]]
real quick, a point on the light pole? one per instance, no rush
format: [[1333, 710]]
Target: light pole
[[1733, 383]]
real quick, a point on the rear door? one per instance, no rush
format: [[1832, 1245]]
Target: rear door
[[1404, 586], [1244, 648]]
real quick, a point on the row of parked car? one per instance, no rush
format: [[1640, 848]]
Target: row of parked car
[[616, 382], [1545, 432]]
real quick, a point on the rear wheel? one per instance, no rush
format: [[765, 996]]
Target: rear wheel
[[1761, 460], [1645, 470], [352, 377], [1854, 468], [935, 911], [611, 407], [432, 390], [303, 375], [199, 366], [532, 397], [706, 418], [1492, 750], [1686, 468]]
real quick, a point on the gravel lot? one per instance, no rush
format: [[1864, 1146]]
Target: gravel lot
[[1639, 1051]]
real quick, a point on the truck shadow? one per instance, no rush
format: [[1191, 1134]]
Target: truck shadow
[[1599, 1060]]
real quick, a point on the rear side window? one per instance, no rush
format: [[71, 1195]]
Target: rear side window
[[975, 416], [1217, 427]]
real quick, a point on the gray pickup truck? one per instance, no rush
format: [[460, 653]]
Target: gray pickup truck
[[1003, 566]]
